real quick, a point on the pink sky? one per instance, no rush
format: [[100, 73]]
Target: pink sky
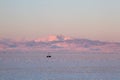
[[96, 19]]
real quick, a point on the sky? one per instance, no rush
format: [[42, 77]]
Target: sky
[[93, 19]]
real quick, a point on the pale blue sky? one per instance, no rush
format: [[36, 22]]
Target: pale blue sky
[[94, 19]]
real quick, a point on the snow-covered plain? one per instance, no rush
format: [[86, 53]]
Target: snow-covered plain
[[61, 66]]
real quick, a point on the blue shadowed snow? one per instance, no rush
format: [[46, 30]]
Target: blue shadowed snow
[[73, 66]]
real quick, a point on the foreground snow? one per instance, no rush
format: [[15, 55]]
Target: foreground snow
[[64, 66]]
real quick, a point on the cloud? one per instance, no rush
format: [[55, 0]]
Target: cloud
[[60, 42], [53, 38], [55, 47]]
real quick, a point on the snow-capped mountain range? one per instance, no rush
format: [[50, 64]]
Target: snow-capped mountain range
[[59, 42]]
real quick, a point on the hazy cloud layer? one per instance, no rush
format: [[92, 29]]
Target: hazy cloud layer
[[59, 42]]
